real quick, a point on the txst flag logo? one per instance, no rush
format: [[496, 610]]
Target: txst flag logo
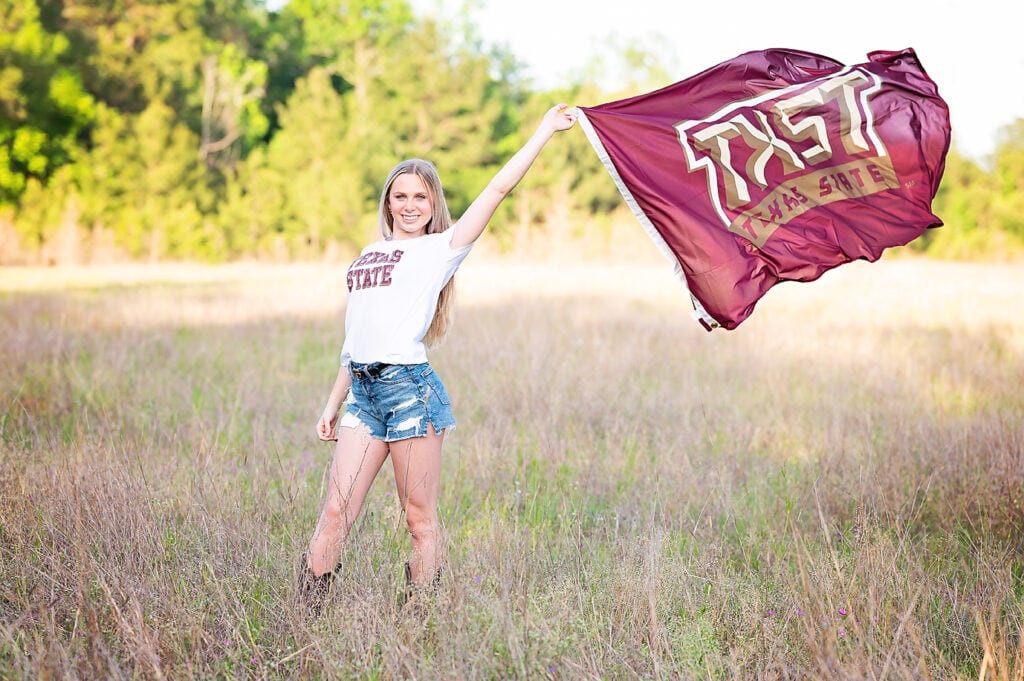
[[821, 137], [802, 165]]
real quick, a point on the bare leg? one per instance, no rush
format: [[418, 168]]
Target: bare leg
[[357, 460], [417, 463]]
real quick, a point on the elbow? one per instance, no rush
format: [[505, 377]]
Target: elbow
[[500, 191]]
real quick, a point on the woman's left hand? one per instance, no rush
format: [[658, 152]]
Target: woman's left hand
[[561, 117]]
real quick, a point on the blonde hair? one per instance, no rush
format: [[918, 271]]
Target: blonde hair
[[440, 221]]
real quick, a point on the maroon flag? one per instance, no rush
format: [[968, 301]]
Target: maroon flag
[[776, 166]]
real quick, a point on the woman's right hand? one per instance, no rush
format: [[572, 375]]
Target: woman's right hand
[[326, 425]]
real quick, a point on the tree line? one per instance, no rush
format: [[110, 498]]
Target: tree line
[[221, 129]]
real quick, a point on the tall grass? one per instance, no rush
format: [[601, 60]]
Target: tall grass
[[834, 490]]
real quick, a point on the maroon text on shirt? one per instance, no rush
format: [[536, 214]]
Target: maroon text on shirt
[[372, 269]]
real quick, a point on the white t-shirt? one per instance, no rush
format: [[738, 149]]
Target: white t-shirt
[[392, 295]]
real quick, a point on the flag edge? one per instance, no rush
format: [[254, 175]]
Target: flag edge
[[699, 313]]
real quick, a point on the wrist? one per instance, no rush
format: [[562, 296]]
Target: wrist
[[544, 132]]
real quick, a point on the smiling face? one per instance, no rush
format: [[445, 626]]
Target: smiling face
[[410, 206]]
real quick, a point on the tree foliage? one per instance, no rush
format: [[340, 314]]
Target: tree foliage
[[44, 108], [982, 210], [219, 129]]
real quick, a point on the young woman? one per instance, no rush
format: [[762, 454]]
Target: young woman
[[394, 404]]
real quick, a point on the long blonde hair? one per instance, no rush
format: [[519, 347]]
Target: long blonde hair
[[440, 221]]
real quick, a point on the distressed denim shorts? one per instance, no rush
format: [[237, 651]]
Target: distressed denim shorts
[[397, 401]]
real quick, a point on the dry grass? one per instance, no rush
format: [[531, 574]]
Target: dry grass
[[833, 491]]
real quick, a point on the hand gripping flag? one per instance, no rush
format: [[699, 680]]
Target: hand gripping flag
[[776, 166]]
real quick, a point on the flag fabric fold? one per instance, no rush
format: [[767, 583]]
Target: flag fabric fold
[[777, 165]]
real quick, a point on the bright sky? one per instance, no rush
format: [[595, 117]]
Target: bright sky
[[972, 49]]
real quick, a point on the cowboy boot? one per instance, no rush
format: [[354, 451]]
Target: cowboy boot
[[312, 591], [415, 594]]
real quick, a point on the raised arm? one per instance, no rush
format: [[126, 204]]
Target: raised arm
[[471, 225]]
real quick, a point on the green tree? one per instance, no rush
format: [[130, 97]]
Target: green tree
[[144, 181], [44, 109], [959, 203], [337, 142], [445, 100], [981, 209], [568, 189], [134, 51], [233, 121], [278, 42], [201, 57], [1008, 203], [304, 192]]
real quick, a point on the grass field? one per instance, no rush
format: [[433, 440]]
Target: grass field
[[835, 490]]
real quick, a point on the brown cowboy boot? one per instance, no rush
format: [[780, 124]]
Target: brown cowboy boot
[[414, 597], [312, 591]]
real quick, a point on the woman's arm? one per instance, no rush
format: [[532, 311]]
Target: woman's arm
[[471, 225], [329, 419]]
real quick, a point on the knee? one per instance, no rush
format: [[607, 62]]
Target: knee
[[422, 521], [334, 511]]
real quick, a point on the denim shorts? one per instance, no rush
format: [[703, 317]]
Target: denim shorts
[[397, 401]]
